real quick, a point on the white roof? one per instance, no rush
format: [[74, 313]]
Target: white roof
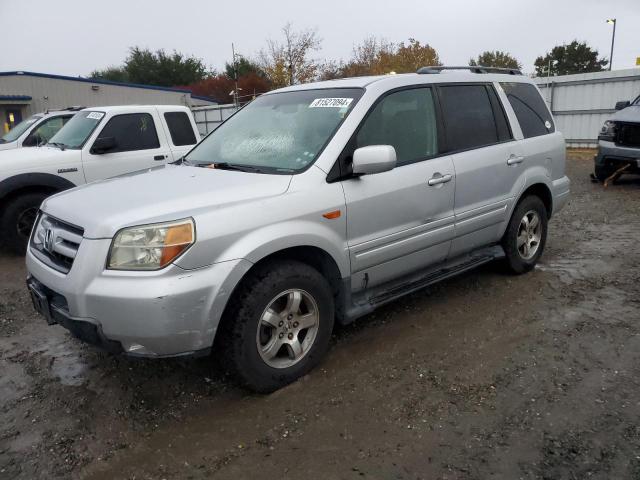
[[139, 108]]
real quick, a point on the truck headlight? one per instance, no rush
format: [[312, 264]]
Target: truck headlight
[[608, 131], [150, 247]]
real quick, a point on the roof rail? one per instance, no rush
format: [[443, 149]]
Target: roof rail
[[472, 68], [74, 108]]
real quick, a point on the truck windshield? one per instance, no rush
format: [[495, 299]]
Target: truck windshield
[[277, 133], [13, 134], [77, 130]]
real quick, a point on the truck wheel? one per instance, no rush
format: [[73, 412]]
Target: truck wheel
[[526, 234], [277, 326], [17, 220]]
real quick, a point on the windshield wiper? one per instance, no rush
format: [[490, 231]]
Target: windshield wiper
[[60, 145], [234, 166]]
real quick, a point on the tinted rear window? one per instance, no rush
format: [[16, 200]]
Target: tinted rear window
[[468, 117], [530, 109], [180, 129]]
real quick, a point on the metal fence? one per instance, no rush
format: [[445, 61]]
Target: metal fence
[[581, 103], [210, 117]]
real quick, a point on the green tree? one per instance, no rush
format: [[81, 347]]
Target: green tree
[[576, 57], [156, 68], [244, 66], [496, 58]]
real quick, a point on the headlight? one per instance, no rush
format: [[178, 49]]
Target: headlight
[[150, 247], [608, 131]]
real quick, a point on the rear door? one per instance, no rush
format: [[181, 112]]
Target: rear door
[[181, 132], [402, 220], [487, 162], [139, 144]]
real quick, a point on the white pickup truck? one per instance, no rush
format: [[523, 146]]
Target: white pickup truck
[[37, 129], [97, 143]]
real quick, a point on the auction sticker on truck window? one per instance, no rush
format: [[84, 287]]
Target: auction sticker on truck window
[[331, 102], [95, 115]]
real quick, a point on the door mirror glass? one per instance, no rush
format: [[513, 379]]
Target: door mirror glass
[[103, 145], [374, 159], [621, 105]]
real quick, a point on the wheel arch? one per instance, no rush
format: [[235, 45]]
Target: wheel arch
[[31, 182]]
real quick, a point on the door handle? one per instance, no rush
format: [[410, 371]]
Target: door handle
[[437, 179], [159, 157], [515, 159]]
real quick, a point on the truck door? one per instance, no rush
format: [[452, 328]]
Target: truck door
[[128, 142], [181, 132]]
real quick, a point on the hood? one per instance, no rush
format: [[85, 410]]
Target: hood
[[8, 145], [161, 194], [34, 158], [629, 114]]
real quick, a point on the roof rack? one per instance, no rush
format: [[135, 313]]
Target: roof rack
[[74, 108], [472, 68]]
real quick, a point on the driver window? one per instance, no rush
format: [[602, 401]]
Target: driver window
[[405, 120], [132, 131]]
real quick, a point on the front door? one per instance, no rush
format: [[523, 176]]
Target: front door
[[400, 221], [137, 147]]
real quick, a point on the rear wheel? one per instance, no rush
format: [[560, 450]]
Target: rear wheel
[[17, 220], [526, 235], [277, 326]]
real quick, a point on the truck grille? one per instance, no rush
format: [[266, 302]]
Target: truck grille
[[628, 135], [55, 243]]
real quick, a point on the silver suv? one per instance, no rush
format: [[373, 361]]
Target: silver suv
[[312, 205]]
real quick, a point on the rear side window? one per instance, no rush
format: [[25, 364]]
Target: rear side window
[[132, 131], [405, 120], [532, 113], [180, 128], [468, 117]]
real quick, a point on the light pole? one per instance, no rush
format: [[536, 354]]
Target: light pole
[[613, 22]]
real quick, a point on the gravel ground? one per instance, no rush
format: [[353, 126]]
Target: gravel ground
[[485, 375]]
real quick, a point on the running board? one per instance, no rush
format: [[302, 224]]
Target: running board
[[469, 262]]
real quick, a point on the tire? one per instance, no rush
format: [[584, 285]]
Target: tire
[[17, 220], [522, 257], [603, 172], [250, 333]]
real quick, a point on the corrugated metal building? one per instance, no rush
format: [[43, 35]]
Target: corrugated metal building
[[25, 93], [581, 103]]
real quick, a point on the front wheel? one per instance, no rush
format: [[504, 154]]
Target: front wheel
[[278, 325], [18, 218], [526, 235]]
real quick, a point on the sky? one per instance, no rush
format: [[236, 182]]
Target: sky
[[75, 37]]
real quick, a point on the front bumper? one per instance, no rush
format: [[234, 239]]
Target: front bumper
[[169, 312], [611, 155]]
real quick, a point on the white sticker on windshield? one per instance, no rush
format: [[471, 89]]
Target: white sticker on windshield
[[95, 115], [331, 102]]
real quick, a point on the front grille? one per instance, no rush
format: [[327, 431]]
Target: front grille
[[628, 135], [55, 242]]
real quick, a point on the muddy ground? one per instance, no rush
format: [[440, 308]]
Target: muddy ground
[[483, 376]]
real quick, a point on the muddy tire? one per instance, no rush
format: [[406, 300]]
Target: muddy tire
[[603, 172], [526, 235], [277, 326], [17, 220]]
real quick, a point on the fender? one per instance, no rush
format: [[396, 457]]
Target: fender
[[31, 180]]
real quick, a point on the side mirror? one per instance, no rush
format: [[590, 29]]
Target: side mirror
[[374, 159], [103, 145], [621, 105]]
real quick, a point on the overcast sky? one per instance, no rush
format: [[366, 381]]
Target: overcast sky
[[74, 37]]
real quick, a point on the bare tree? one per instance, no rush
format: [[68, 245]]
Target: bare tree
[[288, 62]]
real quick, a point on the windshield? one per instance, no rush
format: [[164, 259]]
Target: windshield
[[278, 133], [19, 129], [77, 130]]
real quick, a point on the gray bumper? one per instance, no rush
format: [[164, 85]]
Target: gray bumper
[[163, 313], [610, 154]]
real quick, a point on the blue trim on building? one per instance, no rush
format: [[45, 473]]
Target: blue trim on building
[[17, 98], [93, 81]]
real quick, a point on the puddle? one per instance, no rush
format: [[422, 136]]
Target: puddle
[[65, 363], [569, 270]]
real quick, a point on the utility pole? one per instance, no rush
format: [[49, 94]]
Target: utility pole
[[612, 21], [235, 76]]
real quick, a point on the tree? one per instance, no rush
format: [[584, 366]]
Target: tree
[[156, 68], [496, 58], [244, 67], [220, 86], [378, 57], [288, 62], [577, 57]]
